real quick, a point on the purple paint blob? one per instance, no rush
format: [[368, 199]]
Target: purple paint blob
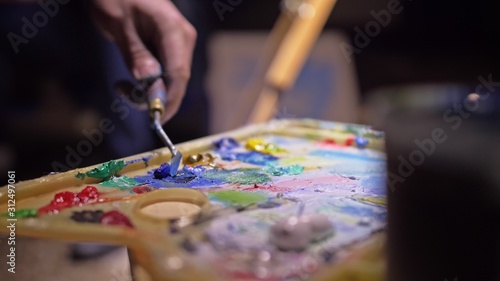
[[225, 144]]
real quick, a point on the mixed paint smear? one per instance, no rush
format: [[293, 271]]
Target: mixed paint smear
[[207, 176], [284, 170]]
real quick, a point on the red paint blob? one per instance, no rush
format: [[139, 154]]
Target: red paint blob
[[349, 141], [115, 218], [67, 199], [88, 193], [141, 189], [328, 141]]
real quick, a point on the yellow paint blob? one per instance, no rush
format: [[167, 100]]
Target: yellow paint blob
[[260, 145]]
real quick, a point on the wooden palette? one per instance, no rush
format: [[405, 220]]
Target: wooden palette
[[212, 221]]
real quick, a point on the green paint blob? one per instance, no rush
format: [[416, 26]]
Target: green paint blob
[[286, 170], [80, 176], [21, 214], [234, 197], [239, 176], [122, 183], [106, 170]]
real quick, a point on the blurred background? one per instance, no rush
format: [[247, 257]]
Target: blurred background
[[60, 85]]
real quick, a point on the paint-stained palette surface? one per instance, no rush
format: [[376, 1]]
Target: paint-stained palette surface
[[247, 181]]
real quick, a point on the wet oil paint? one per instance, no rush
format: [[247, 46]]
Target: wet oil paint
[[122, 183], [88, 216], [115, 218], [284, 170], [237, 198], [251, 157], [203, 176], [344, 155], [187, 177], [21, 214], [67, 199], [239, 176], [162, 172], [142, 189], [260, 145], [105, 171], [361, 142], [199, 159]]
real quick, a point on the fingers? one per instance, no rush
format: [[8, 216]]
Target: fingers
[[130, 23], [175, 44]]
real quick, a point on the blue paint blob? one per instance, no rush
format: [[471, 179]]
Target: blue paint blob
[[225, 144], [143, 159], [361, 142], [251, 157], [187, 177], [330, 154], [162, 172]]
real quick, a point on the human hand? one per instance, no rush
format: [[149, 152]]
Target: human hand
[[149, 33]]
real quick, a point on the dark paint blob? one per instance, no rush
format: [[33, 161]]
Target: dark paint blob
[[88, 216], [327, 256], [189, 246]]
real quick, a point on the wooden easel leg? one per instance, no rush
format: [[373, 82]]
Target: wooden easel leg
[[290, 53]]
